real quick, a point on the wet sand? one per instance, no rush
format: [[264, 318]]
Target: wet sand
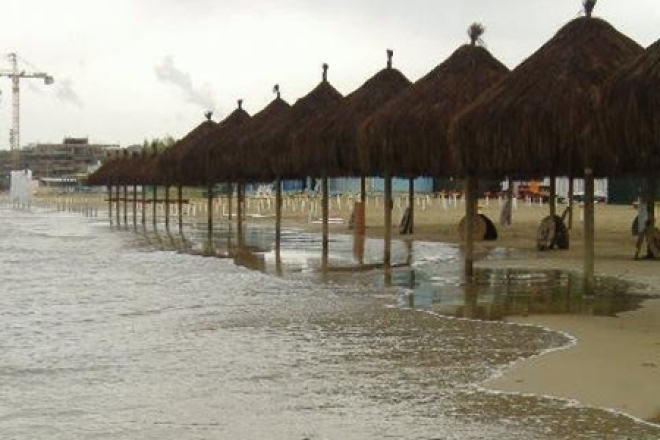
[[615, 362]]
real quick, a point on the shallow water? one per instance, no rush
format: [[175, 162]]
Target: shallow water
[[108, 333]]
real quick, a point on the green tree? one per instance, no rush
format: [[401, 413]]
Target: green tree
[[159, 144]]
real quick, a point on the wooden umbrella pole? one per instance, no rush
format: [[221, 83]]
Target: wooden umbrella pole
[[651, 182], [470, 217], [239, 208], [509, 198], [387, 206], [363, 189], [325, 214], [240, 198], [209, 213], [180, 207], [387, 245], [552, 197], [153, 208], [589, 275], [134, 206], [571, 190], [230, 199], [110, 203], [144, 206], [117, 205], [411, 205], [278, 214], [167, 207], [125, 204]]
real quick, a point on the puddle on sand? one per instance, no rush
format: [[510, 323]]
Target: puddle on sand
[[428, 276], [498, 293]]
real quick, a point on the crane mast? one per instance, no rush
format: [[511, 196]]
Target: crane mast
[[15, 74]]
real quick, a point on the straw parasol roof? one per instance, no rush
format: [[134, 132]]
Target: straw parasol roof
[[131, 170], [274, 141], [103, 175], [629, 114], [534, 121], [410, 132], [144, 168], [116, 171], [206, 163], [239, 161], [328, 142], [171, 167]]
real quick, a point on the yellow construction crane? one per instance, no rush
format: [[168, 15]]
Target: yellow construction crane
[[15, 74]]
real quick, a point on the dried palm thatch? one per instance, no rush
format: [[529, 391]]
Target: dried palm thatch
[[239, 161], [409, 134], [629, 114], [206, 164], [274, 142], [130, 170], [117, 171], [328, 142], [145, 169], [103, 175], [171, 168], [534, 121]]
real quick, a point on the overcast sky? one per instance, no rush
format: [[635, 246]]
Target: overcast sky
[[130, 70]]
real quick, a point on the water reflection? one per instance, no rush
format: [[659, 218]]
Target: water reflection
[[498, 293], [427, 276]]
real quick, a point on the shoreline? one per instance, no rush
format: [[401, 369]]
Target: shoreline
[[614, 363]]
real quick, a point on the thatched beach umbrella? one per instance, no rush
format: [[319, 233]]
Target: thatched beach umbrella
[[103, 176], [206, 163], [277, 140], [328, 144], [629, 120], [210, 159], [173, 168], [140, 170], [235, 161], [147, 172], [409, 135], [126, 173], [170, 169], [533, 122], [118, 174], [274, 142]]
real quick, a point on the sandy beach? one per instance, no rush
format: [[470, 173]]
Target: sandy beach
[[615, 362]]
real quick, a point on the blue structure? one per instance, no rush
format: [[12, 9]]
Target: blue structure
[[346, 185]]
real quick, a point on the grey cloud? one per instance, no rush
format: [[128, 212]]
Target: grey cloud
[[66, 93], [168, 73]]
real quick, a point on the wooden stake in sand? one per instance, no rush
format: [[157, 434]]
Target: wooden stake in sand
[[589, 277], [470, 217]]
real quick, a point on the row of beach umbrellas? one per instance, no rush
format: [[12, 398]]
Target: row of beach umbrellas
[[585, 103]]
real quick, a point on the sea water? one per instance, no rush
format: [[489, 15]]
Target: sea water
[[107, 332]]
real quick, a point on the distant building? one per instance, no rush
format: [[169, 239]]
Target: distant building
[[71, 159]]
